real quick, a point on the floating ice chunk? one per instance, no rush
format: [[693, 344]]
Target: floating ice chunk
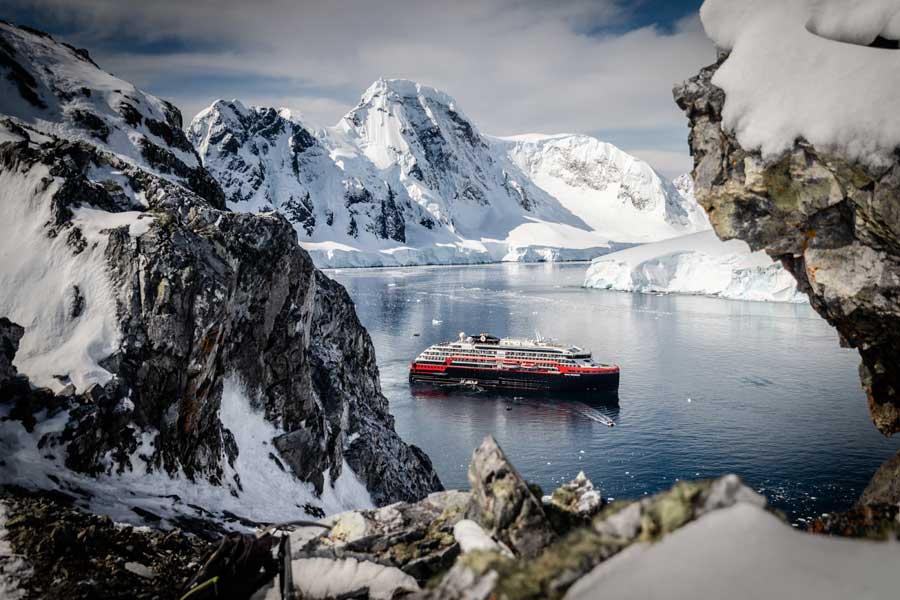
[[695, 264]]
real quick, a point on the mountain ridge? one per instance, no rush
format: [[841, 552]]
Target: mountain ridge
[[405, 177], [158, 342]]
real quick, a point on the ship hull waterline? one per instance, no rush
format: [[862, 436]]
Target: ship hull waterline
[[501, 379]]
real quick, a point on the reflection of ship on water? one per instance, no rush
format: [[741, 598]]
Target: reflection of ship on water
[[598, 407]]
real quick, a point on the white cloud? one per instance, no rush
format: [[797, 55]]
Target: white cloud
[[513, 65]]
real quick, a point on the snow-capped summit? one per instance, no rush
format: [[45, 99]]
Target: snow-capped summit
[[406, 177], [444, 162]]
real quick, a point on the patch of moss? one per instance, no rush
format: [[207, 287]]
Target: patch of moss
[[550, 574], [670, 510]]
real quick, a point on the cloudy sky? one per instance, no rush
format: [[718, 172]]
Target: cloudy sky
[[603, 67]]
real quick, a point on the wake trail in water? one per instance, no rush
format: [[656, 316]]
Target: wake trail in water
[[593, 414]]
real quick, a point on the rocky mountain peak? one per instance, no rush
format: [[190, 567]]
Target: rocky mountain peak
[[53, 89], [407, 178], [403, 91]]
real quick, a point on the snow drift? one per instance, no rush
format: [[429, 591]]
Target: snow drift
[[797, 69]]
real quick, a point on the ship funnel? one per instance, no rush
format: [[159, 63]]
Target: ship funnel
[[462, 336]]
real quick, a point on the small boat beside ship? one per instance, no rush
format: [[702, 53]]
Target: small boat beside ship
[[512, 364]]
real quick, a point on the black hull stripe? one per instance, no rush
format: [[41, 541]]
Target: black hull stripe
[[517, 380]]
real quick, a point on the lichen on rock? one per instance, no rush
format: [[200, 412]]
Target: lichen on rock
[[165, 296], [833, 222], [503, 503]]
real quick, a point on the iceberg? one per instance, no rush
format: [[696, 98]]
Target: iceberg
[[699, 263]]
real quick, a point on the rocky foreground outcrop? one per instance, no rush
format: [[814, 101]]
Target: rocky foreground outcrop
[[501, 540], [143, 305], [834, 224]]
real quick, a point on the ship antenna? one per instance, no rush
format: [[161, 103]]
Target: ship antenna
[[537, 336]]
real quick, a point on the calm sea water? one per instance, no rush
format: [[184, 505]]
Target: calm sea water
[[708, 386]]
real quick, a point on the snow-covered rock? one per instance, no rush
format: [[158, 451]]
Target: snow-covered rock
[[57, 91], [406, 178], [192, 355], [796, 70], [744, 552], [794, 144], [699, 263]]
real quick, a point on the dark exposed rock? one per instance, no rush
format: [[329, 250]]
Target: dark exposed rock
[[884, 487], [15, 72], [92, 123], [173, 136], [173, 115], [357, 194], [301, 140], [131, 115], [300, 211], [70, 554], [876, 514], [10, 334], [15, 389], [389, 222], [833, 223], [877, 521], [197, 178], [384, 459], [206, 295], [503, 503]]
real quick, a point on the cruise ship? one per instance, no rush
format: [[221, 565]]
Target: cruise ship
[[488, 361]]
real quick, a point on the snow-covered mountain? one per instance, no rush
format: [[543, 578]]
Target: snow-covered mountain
[[164, 357], [615, 193], [406, 178], [699, 263]]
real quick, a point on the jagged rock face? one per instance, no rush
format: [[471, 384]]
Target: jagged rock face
[[58, 89], [162, 297], [10, 334], [504, 504], [269, 160], [834, 224]]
